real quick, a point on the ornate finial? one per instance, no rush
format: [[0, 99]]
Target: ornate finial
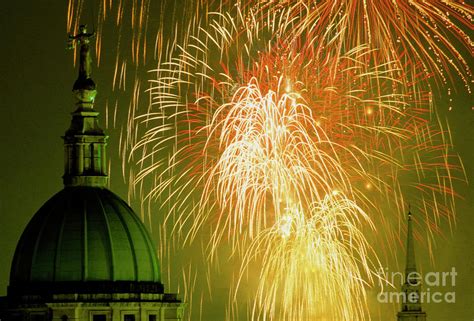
[[84, 87]]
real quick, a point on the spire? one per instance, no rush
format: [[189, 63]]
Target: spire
[[84, 141], [411, 305], [410, 259]]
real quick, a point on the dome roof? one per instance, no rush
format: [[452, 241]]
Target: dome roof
[[84, 234]]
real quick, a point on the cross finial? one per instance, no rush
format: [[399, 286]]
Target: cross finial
[[82, 37]]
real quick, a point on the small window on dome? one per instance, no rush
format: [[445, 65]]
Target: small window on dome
[[152, 317], [88, 157], [99, 317], [96, 157], [129, 317], [64, 318], [37, 317]]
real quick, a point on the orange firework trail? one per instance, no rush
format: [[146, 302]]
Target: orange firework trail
[[429, 32]]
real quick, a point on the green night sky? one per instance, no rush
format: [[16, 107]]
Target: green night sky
[[37, 74]]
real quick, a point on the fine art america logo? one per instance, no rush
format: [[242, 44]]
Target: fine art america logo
[[432, 287]]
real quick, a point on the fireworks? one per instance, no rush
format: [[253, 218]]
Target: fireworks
[[279, 127], [320, 261], [428, 32], [251, 135]]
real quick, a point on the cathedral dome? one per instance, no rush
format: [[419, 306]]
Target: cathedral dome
[[85, 255], [85, 235]]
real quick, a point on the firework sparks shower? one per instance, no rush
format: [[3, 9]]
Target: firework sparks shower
[[279, 127]]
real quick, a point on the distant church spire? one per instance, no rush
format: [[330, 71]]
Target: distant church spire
[[410, 254], [411, 306], [84, 141]]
